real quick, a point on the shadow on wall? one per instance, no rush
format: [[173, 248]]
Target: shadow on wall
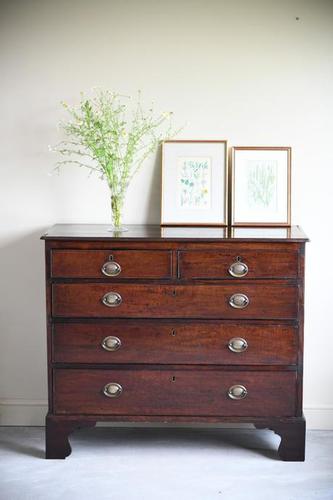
[[23, 318], [146, 197]]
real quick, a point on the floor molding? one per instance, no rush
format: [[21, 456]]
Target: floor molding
[[23, 411], [319, 417], [31, 412]]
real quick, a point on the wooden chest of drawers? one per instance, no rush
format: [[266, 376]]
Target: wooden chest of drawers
[[175, 325]]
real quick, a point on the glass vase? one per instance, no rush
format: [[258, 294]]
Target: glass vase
[[117, 203]]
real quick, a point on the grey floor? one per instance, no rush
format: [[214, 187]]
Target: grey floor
[[163, 464]]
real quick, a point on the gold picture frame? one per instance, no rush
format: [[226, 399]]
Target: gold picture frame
[[212, 207], [260, 187]]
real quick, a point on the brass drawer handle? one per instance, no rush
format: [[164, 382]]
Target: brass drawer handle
[[239, 300], [112, 299], [111, 343], [111, 267], [237, 392], [237, 344], [238, 269], [112, 390]]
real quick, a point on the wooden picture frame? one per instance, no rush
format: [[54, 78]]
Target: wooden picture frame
[[194, 183], [260, 188]]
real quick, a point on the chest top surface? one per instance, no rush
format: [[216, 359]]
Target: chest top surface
[[82, 232]]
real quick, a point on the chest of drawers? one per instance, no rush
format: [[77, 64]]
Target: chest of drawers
[[175, 325]]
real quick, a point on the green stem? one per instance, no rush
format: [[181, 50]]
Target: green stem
[[116, 209]]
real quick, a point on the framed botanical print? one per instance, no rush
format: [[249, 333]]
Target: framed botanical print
[[194, 183], [260, 187]]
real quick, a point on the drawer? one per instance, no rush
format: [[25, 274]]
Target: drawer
[[238, 263], [165, 342], [267, 300], [112, 264], [174, 392]]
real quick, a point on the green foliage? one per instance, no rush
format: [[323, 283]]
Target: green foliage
[[109, 135], [261, 184]]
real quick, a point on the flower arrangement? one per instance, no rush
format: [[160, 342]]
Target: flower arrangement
[[111, 136]]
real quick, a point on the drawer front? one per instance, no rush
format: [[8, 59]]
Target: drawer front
[[234, 264], [267, 300], [112, 264], [174, 343], [174, 392]]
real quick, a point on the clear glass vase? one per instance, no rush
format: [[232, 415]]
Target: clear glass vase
[[117, 203]]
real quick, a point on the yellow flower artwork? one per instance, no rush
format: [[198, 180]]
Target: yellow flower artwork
[[194, 182]]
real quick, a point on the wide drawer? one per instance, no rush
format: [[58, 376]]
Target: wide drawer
[[174, 392], [237, 263], [205, 342], [112, 264], [266, 300]]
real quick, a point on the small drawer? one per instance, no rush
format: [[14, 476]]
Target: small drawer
[[237, 264], [111, 264], [256, 300], [166, 342], [192, 391]]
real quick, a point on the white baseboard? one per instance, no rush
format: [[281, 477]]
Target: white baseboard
[[24, 412], [29, 412], [319, 417]]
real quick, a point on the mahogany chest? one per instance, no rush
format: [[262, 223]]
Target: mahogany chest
[[175, 325]]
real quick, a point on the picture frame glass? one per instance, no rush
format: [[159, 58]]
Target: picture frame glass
[[194, 183], [261, 186]]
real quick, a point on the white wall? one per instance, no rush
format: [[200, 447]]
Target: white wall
[[243, 70]]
